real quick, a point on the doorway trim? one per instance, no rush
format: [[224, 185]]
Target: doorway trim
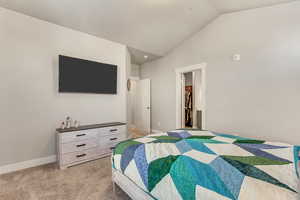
[[135, 78], [179, 74]]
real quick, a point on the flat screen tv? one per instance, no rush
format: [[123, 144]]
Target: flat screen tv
[[83, 76]]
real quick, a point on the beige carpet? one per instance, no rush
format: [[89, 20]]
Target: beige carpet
[[135, 133], [89, 181]]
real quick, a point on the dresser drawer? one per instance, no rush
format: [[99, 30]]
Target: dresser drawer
[[78, 156], [111, 139], [107, 148], [79, 136], [102, 151], [78, 146], [112, 130]]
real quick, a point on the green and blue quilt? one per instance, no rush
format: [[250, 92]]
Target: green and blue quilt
[[192, 164]]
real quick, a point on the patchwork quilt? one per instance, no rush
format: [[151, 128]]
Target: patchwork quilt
[[193, 164]]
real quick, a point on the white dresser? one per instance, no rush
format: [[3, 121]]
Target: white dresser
[[86, 143]]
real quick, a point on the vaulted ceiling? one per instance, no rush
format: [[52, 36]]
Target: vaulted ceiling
[[151, 26]]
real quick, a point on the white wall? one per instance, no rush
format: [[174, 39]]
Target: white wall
[[31, 107], [132, 104], [128, 102], [135, 70], [258, 96]]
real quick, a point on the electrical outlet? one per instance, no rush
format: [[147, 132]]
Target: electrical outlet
[[158, 124]]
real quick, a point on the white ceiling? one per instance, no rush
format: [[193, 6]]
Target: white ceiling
[[225, 6], [152, 26], [140, 57]]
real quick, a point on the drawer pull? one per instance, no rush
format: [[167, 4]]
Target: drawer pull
[[113, 130], [112, 148], [80, 145], [113, 139], [81, 155], [80, 135]]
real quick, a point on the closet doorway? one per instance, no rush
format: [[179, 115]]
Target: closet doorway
[[190, 97], [188, 103]]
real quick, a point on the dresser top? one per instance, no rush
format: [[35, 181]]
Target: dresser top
[[91, 126]]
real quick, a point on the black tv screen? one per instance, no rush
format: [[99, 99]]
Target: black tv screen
[[83, 76]]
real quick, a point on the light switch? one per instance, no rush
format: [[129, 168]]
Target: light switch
[[236, 57]]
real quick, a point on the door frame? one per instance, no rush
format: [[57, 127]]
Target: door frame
[[134, 78], [179, 73]]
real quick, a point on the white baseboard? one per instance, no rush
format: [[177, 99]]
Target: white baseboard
[[156, 131], [27, 164]]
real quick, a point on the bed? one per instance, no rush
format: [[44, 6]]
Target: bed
[[194, 164]]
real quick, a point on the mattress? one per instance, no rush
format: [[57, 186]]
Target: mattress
[[193, 164]]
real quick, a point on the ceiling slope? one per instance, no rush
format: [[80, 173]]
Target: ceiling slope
[[152, 27], [226, 6]]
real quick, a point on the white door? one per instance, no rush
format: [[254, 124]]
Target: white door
[[182, 101], [143, 107]]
